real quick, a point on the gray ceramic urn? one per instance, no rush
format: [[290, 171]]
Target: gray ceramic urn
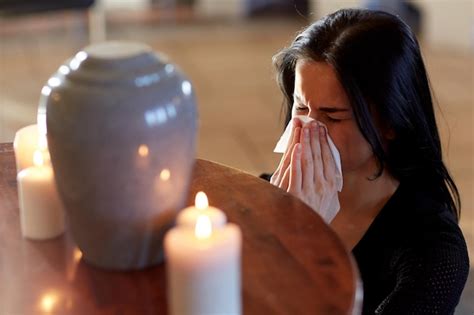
[[121, 126]]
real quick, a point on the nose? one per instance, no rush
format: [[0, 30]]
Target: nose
[[313, 114]]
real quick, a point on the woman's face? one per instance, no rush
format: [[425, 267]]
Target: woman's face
[[319, 95]]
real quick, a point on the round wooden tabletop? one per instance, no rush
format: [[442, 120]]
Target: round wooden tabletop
[[292, 262]]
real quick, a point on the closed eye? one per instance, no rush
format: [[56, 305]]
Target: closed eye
[[333, 119], [325, 115]]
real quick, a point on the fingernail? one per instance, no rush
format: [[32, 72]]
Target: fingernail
[[298, 148]]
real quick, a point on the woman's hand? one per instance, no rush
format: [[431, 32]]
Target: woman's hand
[[281, 176], [311, 173]]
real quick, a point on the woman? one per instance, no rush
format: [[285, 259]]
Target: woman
[[360, 74]]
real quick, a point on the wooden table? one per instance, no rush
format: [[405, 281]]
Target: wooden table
[[292, 263]]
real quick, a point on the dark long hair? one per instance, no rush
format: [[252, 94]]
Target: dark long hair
[[378, 62]]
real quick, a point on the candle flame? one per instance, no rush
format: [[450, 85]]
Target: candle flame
[[203, 227], [48, 301], [38, 158], [201, 201]]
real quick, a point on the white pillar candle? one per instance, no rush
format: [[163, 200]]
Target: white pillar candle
[[41, 211], [203, 269], [26, 142], [188, 216]]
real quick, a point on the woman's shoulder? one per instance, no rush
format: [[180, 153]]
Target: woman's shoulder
[[426, 230], [415, 223], [423, 254], [417, 216]]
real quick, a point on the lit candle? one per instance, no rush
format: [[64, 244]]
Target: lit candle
[[188, 217], [203, 269], [26, 142], [41, 212]]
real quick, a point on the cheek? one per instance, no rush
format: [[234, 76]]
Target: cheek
[[355, 151]]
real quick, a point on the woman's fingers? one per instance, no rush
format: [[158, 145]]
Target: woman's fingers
[[296, 122], [285, 161], [316, 151], [307, 160], [294, 139], [285, 165], [278, 174], [285, 179], [328, 159], [294, 185]]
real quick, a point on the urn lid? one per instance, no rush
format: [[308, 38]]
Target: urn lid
[[116, 50], [115, 62]]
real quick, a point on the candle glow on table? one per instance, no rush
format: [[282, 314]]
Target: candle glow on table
[[73, 264], [41, 211], [203, 268], [48, 302], [188, 217]]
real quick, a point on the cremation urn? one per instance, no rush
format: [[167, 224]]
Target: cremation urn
[[121, 127]]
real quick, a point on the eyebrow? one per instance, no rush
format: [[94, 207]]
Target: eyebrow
[[327, 109]]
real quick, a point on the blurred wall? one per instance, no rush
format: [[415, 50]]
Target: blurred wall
[[220, 8], [446, 24], [125, 4], [449, 23], [206, 8]]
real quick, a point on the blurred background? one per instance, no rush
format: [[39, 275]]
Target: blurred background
[[226, 48]]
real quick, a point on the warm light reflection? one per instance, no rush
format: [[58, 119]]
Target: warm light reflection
[[46, 157], [201, 200], [72, 268], [77, 255], [48, 302], [203, 227], [69, 304], [143, 150], [56, 97], [38, 159], [42, 142], [165, 174]]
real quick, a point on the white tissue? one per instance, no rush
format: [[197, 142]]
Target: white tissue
[[285, 140]]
